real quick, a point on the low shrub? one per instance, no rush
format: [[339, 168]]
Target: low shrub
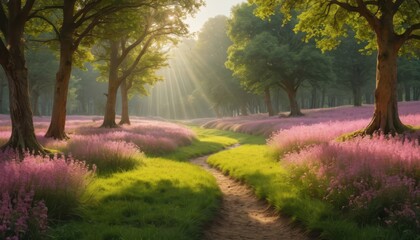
[[107, 156]]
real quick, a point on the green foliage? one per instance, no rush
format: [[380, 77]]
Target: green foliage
[[210, 55], [327, 21], [266, 54]]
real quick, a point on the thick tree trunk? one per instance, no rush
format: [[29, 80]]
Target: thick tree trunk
[[109, 117], [125, 118], [357, 96], [268, 103], [294, 107], [23, 132], [385, 118]]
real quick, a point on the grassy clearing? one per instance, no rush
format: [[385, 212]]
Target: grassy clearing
[[164, 198], [255, 165]]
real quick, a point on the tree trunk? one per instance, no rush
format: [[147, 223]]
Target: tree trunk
[[385, 118], [23, 132], [294, 107], [244, 109], [268, 103], [58, 116], [125, 118], [357, 96], [407, 90], [314, 98], [323, 97], [416, 93], [109, 117]]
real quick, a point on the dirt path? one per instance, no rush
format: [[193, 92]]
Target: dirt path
[[242, 215]]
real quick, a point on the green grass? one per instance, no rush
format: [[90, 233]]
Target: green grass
[[164, 198], [256, 166]]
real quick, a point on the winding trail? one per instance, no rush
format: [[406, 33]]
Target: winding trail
[[243, 215]]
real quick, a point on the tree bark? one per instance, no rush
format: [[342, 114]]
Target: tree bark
[[109, 117], [56, 129], [385, 118], [125, 118], [23, 133], [268, 103], [294, 106]]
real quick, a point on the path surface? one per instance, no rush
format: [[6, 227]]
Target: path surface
[[242, 215]]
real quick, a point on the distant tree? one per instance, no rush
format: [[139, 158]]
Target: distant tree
[[217, 82], [409, 77], [266, 55], [42, 64], [158, 25], [352, 68], [142, 76], [391, 27]]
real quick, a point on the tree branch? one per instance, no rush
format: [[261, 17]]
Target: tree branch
[[397, 5], [35, 12], [57, 32], [408, 34], [128, 49], [27, 9], [136, 61], [367, 14], [414, 36]]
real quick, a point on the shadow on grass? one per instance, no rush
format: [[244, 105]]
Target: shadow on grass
[[145, 210]]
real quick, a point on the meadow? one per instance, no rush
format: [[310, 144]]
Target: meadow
[[136, 181], [341, 187], [122, 183]]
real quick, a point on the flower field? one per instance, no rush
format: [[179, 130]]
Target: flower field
[[344, 116], [372, 180], [36, 190]]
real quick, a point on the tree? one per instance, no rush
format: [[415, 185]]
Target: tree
[[144, 74], [14, 16], [266, 55], [210, 55], [390, 26], [353, 69], [409, 77], [73, 29], [41, 64], [157, 25]]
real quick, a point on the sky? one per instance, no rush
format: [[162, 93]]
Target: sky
[[212, 9]]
